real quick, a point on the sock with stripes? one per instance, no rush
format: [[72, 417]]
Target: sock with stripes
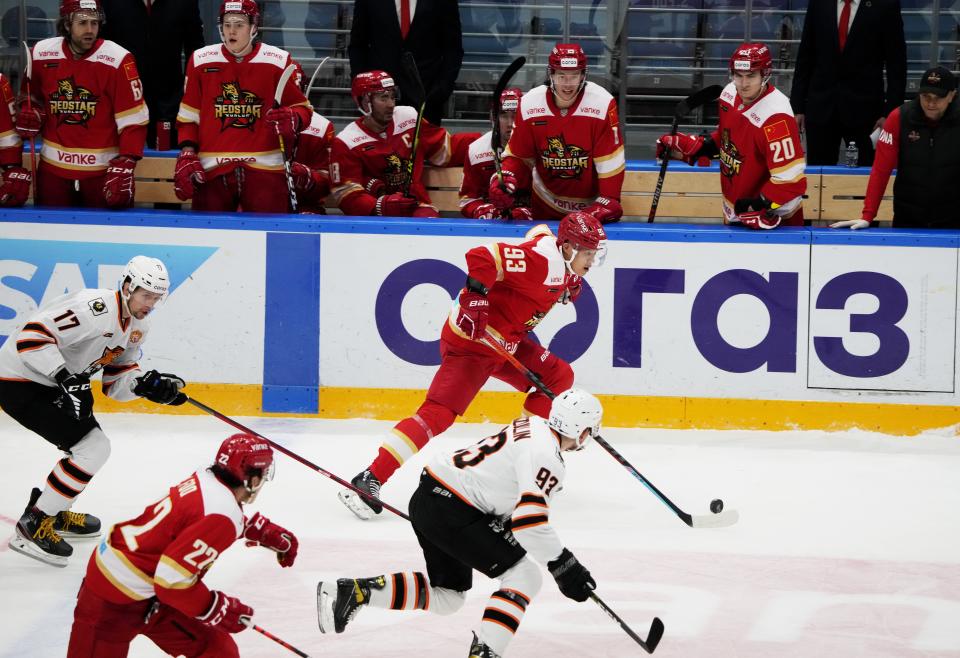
[[502, 618], [401, 591]]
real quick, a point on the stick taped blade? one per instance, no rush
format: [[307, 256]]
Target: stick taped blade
[[653, 637]]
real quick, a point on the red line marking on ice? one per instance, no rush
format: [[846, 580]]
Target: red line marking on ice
[[7, 519]]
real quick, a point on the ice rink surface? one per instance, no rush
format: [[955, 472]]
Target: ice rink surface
[[848, 544]]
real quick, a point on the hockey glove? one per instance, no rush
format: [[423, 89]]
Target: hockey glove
[[573, 579], [76, 398], [395, 205], [161, 388], [605, 209], [302, 177], [486, 211], [188, 174], [375, 187], [501, 195], [118, 185], [260, 531], [226, 614], [15, 187], [30, 121], [472, 314], [680, 147], [285, 122], [522, 213], [853, 224], [573, 289], [756, 213]]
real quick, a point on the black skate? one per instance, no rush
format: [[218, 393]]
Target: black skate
[[480, 650], [36, 537], [79, 526], [338, 603], [363, 507]]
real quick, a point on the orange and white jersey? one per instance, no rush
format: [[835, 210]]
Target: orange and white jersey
[[94, 105], [84, 332], [11, 147], [166, 550], [224, 103], [513, 474]]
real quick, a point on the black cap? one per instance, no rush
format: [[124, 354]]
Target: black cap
[[939, 81]]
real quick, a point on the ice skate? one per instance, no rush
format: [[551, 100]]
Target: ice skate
[[77, 525], [362, 507], [36, 536], [338, 603], [480, 650]]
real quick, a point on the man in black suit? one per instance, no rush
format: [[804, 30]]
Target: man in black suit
[[838, 86], [430, 29]]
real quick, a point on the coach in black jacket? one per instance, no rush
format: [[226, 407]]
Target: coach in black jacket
[[840, 94], [159, 37], [435, 39]]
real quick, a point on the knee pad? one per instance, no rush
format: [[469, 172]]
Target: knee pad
[[92, 451], [445, 601], [436, 417], [524, 577]]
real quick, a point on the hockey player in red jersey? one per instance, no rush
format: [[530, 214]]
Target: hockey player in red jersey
[[15, 181], [311, 161], [459, 513], [758, 143], [369, 158], [88, 107], [567, 146], [45, 371], [230, 155], [510, 288], [146, 576], [479, 167]]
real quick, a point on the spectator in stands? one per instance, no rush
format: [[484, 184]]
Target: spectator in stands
[[430, 29], [921, 140], [478, 167], [838, 87], [160, 34]]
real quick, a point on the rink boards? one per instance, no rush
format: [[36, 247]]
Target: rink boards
[[683, 326]]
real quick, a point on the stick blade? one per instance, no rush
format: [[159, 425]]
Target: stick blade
[[724, 519], [654, 636], [507, 74]]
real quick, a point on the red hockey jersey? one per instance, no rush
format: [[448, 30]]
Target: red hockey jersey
[[571, 158], [524, 282], [313, 151], [166, 550], [11, 148], [359, 155], [224, 101], [94, 105], [760, 153], [478, 167]]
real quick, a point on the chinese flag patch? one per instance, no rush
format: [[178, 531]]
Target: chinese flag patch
[[130, 68], [776, 131]]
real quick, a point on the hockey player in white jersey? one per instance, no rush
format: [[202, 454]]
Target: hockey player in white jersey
[[45, 371], [484, 507]]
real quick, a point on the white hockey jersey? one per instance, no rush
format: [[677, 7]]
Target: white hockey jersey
[[83, 331], [513, 474]]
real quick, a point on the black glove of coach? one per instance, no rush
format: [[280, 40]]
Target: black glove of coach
[[573, 579], [161, 387], [76, 398]]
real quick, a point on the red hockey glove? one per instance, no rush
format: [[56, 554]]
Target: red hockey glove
[[605, 209], [502, 195], [188, 173], [486, 211], [472, 316], [226, 613], [521, 213], [285, 122], [118, 185], [260, 531], [395, 205], [759, 219], [302, 176], [375, 187], [30, 121], [573, 290], [15, 187], [680, 146]]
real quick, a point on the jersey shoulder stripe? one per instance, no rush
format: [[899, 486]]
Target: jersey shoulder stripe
[[404, 119], [594, 102], [481, 149], [49, 49], [207, 54], [353, 136], [110, 53], [534, 103], [218, 499], [271, 55]]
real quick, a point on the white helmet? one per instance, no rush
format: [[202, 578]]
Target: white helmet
[[147, 273], [573, 411]]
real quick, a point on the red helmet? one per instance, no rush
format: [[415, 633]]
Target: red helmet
[[68, 7], [752, 57], [567, 57], [510, 99], [244, 455], [370, 82], [582, 230], [248, 8]]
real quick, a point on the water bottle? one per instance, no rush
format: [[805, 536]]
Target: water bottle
[[852, 154]]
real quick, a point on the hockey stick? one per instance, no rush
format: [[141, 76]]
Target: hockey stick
[[293, 455], [495, 139], [314, 76], [410, 66], [28, 74], [277, 95], [249, 624], [719, 519], [653, 635], [691, 102]]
